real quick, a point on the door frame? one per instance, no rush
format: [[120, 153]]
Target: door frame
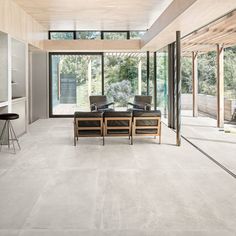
[[51, 115]]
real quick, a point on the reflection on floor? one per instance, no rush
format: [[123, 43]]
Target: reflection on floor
[[52, 188], [218, 143]]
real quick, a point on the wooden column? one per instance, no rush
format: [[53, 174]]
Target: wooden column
[[102, 55], [195, 83], [220, 86], [148, 70], [171, 86], [155, 80]]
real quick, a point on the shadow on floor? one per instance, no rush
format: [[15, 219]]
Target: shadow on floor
[[204, 126], [211, 140]]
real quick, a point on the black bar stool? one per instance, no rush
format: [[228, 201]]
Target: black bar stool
[[8, 130]]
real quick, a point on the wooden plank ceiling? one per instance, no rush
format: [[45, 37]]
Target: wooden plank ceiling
[[222, 31], [94, 14]]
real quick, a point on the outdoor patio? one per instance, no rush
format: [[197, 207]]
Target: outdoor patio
[[219, 143]]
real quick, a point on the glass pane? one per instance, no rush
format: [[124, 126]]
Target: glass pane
[[88, 35], [136, 34], [115, 35], [61, 35], [207, 73], [230, 73], [3, 67], [74, 79], [124, 77], [162, 73], [151, 76], [186, 66]]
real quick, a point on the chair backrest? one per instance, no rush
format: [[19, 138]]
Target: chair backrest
[[85, 122], [140, 99], [98, 99], [147, 119], [118, 122]]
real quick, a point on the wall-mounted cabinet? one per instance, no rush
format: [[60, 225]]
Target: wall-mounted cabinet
[[3, 69], [13, 80], [18, 81]]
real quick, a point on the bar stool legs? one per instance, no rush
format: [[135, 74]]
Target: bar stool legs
[[11, 136]]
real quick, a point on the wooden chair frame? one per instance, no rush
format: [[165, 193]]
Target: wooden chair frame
[[77, 128], [157, 127], [106, 127]]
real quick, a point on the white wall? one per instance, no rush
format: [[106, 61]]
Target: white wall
[[38, 107]]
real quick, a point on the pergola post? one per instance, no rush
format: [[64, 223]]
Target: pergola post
[[140, 77], [155, 80], [220, 86], [195, 83]]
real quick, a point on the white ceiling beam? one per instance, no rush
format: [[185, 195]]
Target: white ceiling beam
[[174, 10], [186, 19], [92, 45]]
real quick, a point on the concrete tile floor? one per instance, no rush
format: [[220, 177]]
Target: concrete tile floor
[[53, 188], [202, 131]]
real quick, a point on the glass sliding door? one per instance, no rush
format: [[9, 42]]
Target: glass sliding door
[[162, 80], [125, 75], [73, 78]]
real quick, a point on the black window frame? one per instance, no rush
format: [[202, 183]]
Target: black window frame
[[128, 33], [61, 31], [115, 31], [50, 54], [76, 31]]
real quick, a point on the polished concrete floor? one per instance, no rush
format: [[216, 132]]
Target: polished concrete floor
[[52, 188]]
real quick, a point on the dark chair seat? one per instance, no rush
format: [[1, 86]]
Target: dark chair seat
[[117, 114], [146, 113], [88, 124], [147, 123], [117, 123], [9, 116], [83, 114]]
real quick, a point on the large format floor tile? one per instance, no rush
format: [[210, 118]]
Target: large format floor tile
[[52, 188]]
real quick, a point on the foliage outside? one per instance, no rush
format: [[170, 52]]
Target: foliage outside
[[207, 73]]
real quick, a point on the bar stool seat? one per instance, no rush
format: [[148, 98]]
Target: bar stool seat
[[8, 134], [9, 116]]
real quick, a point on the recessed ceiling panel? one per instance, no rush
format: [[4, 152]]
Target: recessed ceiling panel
[[95, 14]]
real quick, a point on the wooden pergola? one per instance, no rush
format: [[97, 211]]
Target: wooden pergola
[[216, 36]]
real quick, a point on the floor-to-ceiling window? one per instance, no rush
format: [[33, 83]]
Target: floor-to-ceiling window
[[73, 78], [125, 75], [76, 76], [162, 80]]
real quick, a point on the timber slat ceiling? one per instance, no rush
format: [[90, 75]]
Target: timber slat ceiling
[[222, 31], [126, 54]]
